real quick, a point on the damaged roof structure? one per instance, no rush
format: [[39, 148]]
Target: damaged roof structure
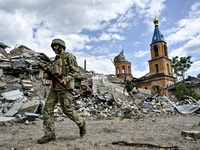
[[190, 82], [3, 47]]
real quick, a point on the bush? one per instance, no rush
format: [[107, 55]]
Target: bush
[[127, 114], [181, 90]]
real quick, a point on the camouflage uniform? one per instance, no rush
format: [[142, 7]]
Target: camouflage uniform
[[130, 89], [57, 93]]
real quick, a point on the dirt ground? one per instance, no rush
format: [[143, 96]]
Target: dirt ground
[[158, 130]]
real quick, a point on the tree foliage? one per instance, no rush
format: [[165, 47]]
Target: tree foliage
[[198, 76], [181, 65], [181, 91]]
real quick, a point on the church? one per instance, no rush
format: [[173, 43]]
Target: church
[[160, 73]]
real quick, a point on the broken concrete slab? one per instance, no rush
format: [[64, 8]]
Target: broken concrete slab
[[18, 64], [13, 110], [1, 73], [5, 119], [192, 134], [29, 106], [1, 114], [3, 84], [5, 65], [99, 81], [27, 84], [12, 95]]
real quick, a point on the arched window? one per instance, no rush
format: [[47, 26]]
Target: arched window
[[117, 69], [157, 71], [155, 50], [168, 68], [165, 50], [129, 69], [158, 89], [123, 69]]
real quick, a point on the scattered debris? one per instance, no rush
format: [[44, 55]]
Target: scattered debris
[[185, 108], [191, 134], [6, 119]]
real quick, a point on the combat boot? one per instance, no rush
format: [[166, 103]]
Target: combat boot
[[83, 129], [46, 139]]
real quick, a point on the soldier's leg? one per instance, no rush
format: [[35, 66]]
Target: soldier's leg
[[48, 116], [65, 99], [131, 94]]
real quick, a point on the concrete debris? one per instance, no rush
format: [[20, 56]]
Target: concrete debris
[[12, 95], [59, 119], [6, 119], [1, 73], [189, 135], [24, 91], [185, 108], [13, 110], [27, 84]]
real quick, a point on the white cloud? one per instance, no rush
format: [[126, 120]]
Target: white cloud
[[194, 69], [140, 53], [104, 37], [178, 52], [109, 36], [187, 28], [193, 45], [136, 44], [63, 18], [100, 64], [137, 72]]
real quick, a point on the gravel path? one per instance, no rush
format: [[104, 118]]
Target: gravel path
[[157, 130]]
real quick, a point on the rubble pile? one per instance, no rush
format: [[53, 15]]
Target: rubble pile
[[21, 81], [108, 101], [23, 91]]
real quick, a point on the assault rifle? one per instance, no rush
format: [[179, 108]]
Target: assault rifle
[[55, 78]]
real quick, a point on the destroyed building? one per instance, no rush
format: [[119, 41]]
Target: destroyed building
[[122, 67], [191, 83]]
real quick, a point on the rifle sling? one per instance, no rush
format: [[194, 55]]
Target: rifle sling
[[63, 67]]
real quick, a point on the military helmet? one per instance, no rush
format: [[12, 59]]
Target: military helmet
[[58, 41]]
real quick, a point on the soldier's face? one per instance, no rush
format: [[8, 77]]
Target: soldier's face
[[55, 47]]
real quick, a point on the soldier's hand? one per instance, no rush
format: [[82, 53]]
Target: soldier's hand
[[46, 76], [63, 81]]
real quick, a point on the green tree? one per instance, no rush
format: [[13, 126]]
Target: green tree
[[181, 65], [181, 91], [198, 76]]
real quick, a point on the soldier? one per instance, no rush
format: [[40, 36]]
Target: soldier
[[65, 67], [129, 86]]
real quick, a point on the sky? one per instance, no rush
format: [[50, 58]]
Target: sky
[[97, 30]]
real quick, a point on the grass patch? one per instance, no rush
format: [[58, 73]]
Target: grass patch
[[196, 125], [127, 115], [137, 118]]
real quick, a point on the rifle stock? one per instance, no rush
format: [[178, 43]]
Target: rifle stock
[[55, 78]]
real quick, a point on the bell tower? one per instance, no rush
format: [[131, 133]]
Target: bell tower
[[159, 63], [122, 67]]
